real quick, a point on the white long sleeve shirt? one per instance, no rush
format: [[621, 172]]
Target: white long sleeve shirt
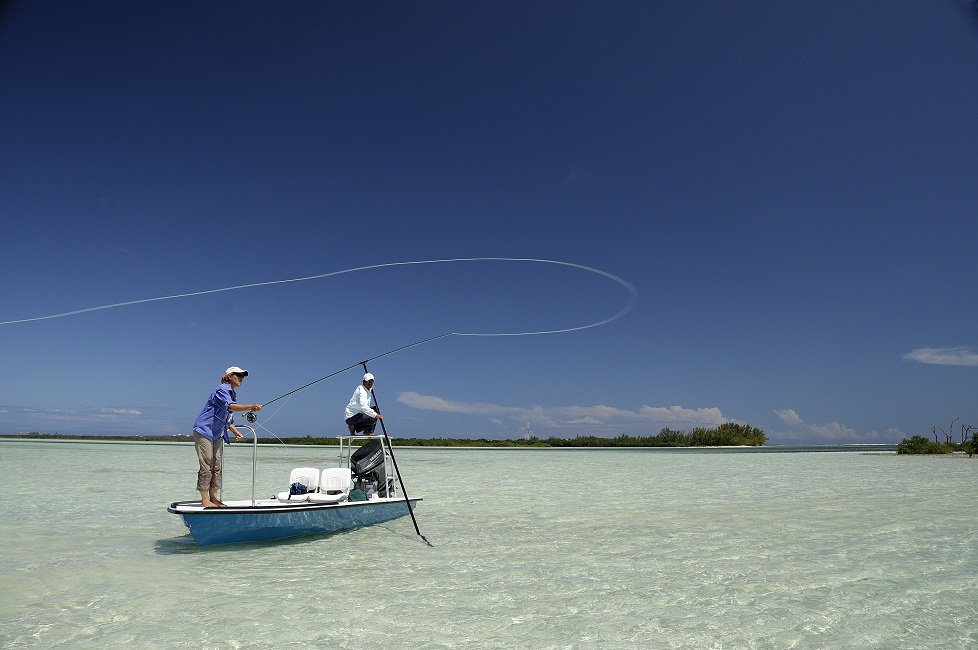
[[360, 403]]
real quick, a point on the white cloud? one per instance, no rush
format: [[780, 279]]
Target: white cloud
[[789, 417], [120, 411], [587, 420], [831, 432], [91, 420], [959, 356], [707, 416], [584, 417], [439, 404]]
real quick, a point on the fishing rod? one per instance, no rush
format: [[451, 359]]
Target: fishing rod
[[251, 417], [390, 450]]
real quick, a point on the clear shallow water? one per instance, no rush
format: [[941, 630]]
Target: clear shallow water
[[532, 549]]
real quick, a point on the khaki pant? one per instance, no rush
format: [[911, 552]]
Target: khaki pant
[[209, 455]]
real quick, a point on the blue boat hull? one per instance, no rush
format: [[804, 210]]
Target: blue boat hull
[[266, 521]]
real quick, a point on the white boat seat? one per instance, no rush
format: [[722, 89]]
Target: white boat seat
[[334, 486], [308, 476]]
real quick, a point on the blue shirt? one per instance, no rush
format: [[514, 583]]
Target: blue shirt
[[214, 420]]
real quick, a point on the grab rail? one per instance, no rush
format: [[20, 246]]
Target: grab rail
[[254, 458], [254, 462]]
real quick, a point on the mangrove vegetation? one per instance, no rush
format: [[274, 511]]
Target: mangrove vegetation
[[944, 442], [729, 434]]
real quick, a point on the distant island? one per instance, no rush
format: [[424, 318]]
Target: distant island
[[921, 445], [729, 434]]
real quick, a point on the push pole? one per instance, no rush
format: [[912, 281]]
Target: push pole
[[390, 450]]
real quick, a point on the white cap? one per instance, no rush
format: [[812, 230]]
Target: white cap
[[234, 369], [368, 377]]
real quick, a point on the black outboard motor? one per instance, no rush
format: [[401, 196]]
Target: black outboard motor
[[368, 468]]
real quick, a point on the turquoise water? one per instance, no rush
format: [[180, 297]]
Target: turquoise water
[[532, 549]]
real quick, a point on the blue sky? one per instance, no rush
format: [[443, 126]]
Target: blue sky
[[788, 186]]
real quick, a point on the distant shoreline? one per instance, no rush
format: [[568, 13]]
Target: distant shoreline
[[468, 443], [729, 434], [332, 441]]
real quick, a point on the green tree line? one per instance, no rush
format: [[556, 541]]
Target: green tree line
[[922, 445], [729, 434]]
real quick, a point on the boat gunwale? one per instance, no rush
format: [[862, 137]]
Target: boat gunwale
[[175, 507]]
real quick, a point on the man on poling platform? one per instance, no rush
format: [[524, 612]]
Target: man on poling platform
[[360, 416]]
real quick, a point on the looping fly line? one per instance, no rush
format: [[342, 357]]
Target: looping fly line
[[632, 294]]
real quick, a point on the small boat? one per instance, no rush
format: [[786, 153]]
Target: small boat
[[361, 491]]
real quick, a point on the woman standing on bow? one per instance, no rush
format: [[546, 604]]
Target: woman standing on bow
[[211, 432]]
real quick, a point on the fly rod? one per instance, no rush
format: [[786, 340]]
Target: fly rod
[[252, 418]]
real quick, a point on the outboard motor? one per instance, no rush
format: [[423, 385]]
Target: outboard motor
[[369, 469]]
